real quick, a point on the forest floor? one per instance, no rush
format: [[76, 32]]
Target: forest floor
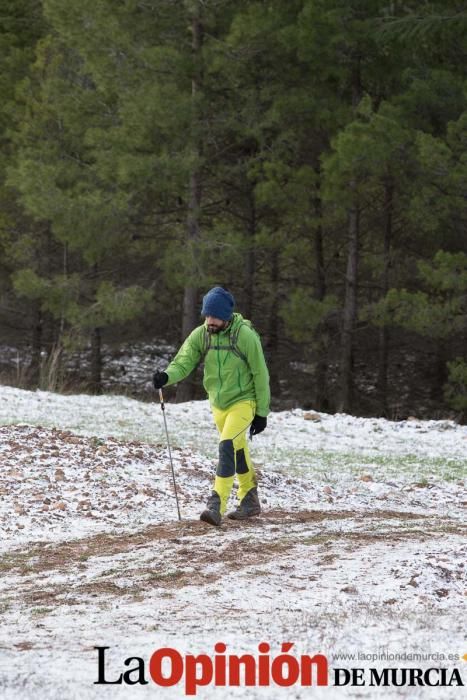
[[127, 369]]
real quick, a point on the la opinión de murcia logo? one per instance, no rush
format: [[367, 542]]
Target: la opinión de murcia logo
[[168, 667], [221, 670]]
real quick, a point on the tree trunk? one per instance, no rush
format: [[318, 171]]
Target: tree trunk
[[186, 389], [383, 350], [96, 361], [251, 258], [320, 279], [190, 297], [440, 375], [350, 313], [36, 348], [351, 277], [319, 343], [273, 330]]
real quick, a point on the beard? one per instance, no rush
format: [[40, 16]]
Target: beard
[[211, 328]]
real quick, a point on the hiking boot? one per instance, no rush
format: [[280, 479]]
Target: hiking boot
[[248, 506], [212, 514]]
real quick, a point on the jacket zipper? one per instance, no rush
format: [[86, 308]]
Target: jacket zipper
[[219, 373]]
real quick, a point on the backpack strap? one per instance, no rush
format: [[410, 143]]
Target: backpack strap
[[206, 345], [234, 343]]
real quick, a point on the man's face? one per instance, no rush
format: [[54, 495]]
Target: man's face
[[215, 325]]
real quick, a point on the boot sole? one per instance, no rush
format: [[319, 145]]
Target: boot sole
[[208, 518], [239, 516]]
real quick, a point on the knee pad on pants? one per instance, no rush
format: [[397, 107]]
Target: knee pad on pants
[[242, 466], [226, 466]]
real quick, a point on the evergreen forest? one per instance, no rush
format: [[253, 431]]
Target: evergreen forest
[[308, 155]]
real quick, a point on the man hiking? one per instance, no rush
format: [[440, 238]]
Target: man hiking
[[236, 380]]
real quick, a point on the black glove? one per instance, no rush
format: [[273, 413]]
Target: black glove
[[159, 379], [258, 425]]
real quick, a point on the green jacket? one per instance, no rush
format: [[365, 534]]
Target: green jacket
[[228, 378]]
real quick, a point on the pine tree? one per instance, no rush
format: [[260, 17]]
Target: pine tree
[[21, 25], [57, 179]]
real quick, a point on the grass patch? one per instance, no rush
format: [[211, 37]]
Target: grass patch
[[317, 539], [256, 572], [166, 575], [41, 612], [16, 560], [331, 466]]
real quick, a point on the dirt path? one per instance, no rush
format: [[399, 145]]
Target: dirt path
[[193, 554]]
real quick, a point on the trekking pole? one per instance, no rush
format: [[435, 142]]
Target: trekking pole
[[161, 397]]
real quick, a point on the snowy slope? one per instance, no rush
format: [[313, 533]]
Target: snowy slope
[[361, 547]]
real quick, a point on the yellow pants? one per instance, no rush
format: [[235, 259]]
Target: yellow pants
[[234, 457]]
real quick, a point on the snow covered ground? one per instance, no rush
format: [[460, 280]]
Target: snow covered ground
[[361, 548], [127, 367]]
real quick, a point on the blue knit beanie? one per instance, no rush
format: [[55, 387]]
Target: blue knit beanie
[[219, 303]]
